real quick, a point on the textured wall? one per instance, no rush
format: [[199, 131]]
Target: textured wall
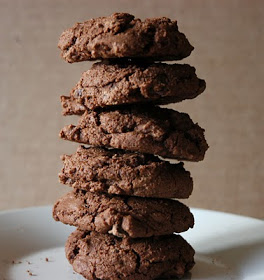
[[228, 40]]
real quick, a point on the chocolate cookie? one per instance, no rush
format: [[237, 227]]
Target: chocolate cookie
[[115, 84], [103, 256], [122, 216], [121, 35], [145, 129], [124, 173]]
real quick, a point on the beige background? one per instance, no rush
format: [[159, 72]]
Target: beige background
[[229, 42]]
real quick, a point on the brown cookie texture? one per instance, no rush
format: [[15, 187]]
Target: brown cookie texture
[[108, 84], [106, 257], [121, 35], [144, 129], [122, 216], [125, 173]]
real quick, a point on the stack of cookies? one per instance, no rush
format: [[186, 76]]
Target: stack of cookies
[[121, 190]]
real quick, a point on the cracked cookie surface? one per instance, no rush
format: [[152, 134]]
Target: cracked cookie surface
[[125, 173], [103, 256], [108, 84], [145, 129], [121, 35], [122, 216]]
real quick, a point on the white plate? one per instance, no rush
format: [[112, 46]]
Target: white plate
[[227, 246]]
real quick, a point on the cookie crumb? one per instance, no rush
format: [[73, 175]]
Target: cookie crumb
[[16, 262], [46, 259], [30, 273]]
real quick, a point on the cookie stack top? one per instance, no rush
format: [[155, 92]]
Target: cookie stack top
[[120, 201], [122, 36]]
